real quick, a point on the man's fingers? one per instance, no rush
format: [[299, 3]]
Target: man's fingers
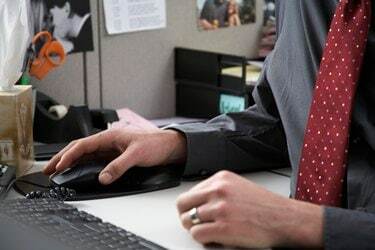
[[205, 214], [101, 156], [203, 184], [206, 233], [196, 196], [188, 200], [85, 146], [118, 167], [50, 168], [219, 176]]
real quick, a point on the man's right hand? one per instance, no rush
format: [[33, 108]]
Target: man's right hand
[[125, 148]]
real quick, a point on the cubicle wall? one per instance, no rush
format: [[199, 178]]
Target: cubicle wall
[[135, 70]]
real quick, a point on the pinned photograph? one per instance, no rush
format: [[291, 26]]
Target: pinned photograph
[[69, 22], [215, 14]]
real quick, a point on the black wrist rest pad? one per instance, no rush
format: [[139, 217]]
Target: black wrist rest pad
[[40, 182]]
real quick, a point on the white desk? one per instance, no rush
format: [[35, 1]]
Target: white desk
[[154, 215]]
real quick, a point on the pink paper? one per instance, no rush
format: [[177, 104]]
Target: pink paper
[[130, 119]]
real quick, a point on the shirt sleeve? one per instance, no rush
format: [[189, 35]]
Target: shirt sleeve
[[348, 229], [245, 141]]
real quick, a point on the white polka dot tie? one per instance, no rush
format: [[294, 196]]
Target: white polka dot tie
[[322, 166]]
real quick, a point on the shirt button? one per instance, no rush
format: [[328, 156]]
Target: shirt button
[[203, 172], [356, 140], [361, 209]]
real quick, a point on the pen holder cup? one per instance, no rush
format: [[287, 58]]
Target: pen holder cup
[[16, 133]]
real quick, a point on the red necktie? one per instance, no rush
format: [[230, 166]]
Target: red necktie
[[322, 166]]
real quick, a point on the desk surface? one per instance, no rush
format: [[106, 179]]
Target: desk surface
[[154, 215]]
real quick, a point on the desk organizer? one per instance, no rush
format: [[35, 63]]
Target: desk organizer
[[206, 85]]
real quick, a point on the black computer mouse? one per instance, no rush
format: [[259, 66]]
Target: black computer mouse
[[82, 175], [84, 178]]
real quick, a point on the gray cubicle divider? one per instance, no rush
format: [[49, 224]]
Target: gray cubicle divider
[[135, 70]]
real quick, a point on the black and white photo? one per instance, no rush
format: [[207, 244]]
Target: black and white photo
[[69, 21]]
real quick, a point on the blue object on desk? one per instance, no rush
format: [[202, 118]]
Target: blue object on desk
[[231, 103]]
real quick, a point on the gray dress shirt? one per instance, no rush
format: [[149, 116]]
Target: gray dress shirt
[[270, 133]]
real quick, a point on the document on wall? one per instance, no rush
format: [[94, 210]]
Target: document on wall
[[122, 16]]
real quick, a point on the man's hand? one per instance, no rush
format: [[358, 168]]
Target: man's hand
[[237, 212], [125, 148]]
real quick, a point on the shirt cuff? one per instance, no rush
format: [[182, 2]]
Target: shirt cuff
[[348, 229], [205, 149]]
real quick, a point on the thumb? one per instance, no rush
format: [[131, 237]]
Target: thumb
[[118, 166]]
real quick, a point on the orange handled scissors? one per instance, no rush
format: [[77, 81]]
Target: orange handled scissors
[[51, 55]]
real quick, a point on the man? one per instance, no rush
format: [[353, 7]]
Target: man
[[214, 14], [292, 123]]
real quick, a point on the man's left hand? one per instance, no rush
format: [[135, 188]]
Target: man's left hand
[[236, 212]]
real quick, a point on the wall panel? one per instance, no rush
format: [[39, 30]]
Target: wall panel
[[135, 70]]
